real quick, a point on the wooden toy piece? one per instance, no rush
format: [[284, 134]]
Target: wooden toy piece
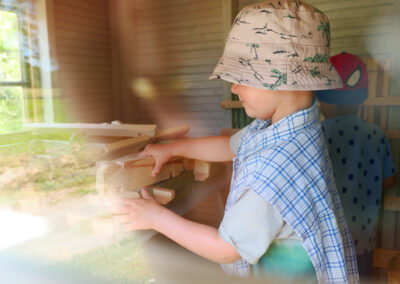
[[135, 177], [104, 172], [188, 164], [201, 170], [135, 142], [393, 270], [97, 129], [172, 133], [161, 194]]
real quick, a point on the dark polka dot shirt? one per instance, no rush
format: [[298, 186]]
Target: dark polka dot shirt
[[361, 159]]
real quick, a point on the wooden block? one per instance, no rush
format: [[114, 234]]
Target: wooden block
[[96, 129], [382, 257], [393, 270], [201, 170], [134, 178], [391, 203], [229, 131], [104, 172], [136, 142], [132, 161], [172, 133], [188, 164], [161, 194]]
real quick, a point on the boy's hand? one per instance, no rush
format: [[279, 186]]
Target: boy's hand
[[138, 214], [161, 154]]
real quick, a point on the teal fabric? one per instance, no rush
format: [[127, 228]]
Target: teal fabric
[[286, 261]]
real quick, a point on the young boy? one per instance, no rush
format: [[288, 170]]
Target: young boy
[[360, 156], [283, 217]]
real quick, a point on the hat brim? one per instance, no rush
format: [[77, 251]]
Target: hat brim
[[281, 75], [343, 97]]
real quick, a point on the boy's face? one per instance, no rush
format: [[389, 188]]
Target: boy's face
[[258, 103]]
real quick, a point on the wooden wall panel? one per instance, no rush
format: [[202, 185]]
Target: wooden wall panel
[[83, 51]]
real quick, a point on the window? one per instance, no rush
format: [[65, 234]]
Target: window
[[25, 71], [12, 72]]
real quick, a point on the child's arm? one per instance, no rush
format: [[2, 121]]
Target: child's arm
[[211, 149], [203, 240]]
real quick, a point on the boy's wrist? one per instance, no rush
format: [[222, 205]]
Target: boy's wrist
[[160, 218]]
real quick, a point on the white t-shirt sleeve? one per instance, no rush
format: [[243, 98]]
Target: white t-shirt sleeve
[[250, 225], [235, 140]]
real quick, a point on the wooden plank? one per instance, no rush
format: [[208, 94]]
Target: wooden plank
[[188, 23], [134, 178], [170, 5], [382, 101], [381, 257], [392, 134], [172, 12], [172, 133], [391, 203], [124, 130], [350, 5], [229, 131], [136, 142]]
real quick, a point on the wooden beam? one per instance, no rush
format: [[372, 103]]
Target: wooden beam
[[97, 129], [391, 203], [382, 257], [393, 134], [382, 101], [135, 177], [172, 133], [229, 131]]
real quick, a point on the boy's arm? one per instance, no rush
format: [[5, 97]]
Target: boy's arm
[[202, 240], [211, 149]]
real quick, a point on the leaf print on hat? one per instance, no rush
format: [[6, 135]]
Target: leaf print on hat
[[247, 63], [325, 28], [253, 47], [239, 19], [318, 58], [282, 79]]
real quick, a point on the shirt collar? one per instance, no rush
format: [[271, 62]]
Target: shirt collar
[[261, 133]]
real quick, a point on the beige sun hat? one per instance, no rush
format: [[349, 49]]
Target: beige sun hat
[[279, 45]]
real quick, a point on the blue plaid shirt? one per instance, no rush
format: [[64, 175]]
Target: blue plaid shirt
[[287, 164]]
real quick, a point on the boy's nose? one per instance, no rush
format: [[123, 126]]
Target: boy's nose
[[234, 88]]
